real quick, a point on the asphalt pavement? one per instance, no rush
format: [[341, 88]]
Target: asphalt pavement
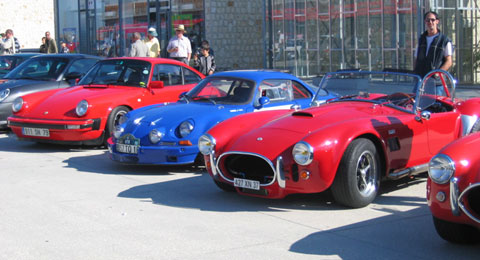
[[63, 202]]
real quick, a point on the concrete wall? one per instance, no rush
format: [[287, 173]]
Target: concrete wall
[[234, 30], [29, 20]]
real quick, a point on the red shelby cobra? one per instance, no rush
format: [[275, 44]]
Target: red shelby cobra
[[453, 190], [384, 125], [87, 113]]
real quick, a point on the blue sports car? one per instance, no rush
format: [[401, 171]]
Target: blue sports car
[[167, 134]]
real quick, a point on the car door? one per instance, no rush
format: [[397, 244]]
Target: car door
[[176, 80], [441, 120], [283, 94]]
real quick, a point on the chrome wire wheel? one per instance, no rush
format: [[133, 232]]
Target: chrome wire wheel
[[365, 176]]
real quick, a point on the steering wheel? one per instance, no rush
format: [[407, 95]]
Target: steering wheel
[[401, 99]]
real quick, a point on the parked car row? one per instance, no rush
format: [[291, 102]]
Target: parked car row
[[262, 133]]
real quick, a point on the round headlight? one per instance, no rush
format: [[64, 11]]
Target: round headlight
[[81, 108], [17, 104], [185, 128], [4, 94], [441, 168], [155, 136], [118, 131], [302, 153], [206, 144]]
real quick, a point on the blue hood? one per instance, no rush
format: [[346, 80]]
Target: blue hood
[[167, 118]]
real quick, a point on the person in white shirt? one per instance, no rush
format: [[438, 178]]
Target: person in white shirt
[[179, 46]]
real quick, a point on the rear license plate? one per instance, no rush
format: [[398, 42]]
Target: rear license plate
[[247, 184], [43, 132], [127, 148]]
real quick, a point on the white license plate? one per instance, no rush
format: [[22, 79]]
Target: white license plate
[[127, 148], [247, 184], [36, 132]]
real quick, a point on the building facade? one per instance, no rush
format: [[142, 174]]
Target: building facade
[[306, 37]]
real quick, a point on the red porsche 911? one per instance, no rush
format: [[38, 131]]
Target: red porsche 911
[[86, 114]]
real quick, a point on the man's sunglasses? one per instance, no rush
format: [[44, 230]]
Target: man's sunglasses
[[430, 20]]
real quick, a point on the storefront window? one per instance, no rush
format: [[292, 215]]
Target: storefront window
[[68, 27], [190, 13]]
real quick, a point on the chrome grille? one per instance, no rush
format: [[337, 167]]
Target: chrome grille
[[246, 166]]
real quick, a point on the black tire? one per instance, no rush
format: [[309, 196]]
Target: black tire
[[358, 176], [225, 187], [456, 233], [112, 121]]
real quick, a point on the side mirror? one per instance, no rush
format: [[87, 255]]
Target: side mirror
[[156, 84], [263, 101], [73, 75]]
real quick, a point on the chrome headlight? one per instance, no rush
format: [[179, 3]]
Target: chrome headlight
[[441, 168], [118, 131], [185, 128], [17, 104], [4, 94], [155, 136], [206, 144], [81, 108], [302, 153]]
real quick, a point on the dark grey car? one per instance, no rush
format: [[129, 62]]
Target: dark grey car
[[40, 73]]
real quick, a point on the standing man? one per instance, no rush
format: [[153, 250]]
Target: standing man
[[138, 48], [50, 43], [8, 44], [434, 49], [152, 43], [179, 46]]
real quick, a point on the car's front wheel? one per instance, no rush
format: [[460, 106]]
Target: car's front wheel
[[455, 232], [358, 176]]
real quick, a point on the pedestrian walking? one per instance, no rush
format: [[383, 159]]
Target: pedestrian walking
[[179, 46], [43, 46]]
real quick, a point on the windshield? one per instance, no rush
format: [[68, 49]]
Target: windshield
[[119, 72], [48, 68], [7, 63], [222, 91]]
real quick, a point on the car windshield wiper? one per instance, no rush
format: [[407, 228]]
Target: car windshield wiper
[[204, 98]]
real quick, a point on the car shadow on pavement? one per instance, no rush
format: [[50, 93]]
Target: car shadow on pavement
[[10, 143], [200, 192], [101, 163], [387, 237]]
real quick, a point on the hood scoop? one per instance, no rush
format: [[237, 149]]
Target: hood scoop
[[302, 113], [95, 86]]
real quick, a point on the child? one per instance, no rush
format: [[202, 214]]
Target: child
[[64, 48], [205, 63]]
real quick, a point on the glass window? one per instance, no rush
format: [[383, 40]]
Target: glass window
[[299, 91], [68, 24], [81, 65], [41, 69], [190, 13], [277, 90], [170, 74], [133, 73], [190, 77]]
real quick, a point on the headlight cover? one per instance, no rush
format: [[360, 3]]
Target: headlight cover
[[441, 168], [118, 131], [302, 153], [4, 94], [185, 128], [155, 136], [206, 144], [17, 104], [81, 108]]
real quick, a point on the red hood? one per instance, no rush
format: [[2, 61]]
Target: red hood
[[278, 135], [62, 104]]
